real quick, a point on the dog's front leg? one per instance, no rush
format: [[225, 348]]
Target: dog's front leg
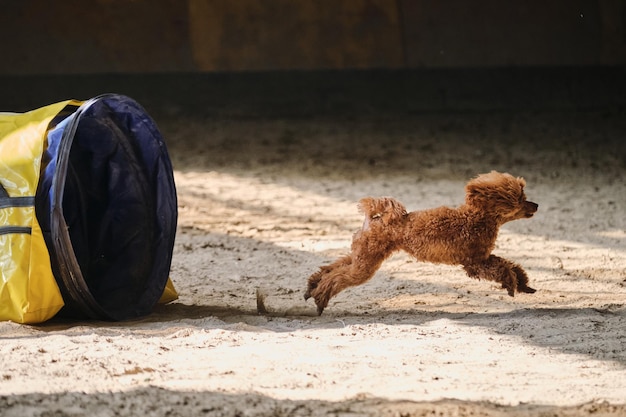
[[496, 269], [522, 280]]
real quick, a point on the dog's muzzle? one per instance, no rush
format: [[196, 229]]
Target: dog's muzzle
[[530, 208]]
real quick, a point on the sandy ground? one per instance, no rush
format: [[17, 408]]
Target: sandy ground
[[264, 202]]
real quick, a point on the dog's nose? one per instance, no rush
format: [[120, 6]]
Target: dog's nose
[[533, 206]]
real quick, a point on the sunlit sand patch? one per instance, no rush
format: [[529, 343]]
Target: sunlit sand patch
[[613, 234]]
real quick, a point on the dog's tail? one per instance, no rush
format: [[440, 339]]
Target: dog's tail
[[385, 209]]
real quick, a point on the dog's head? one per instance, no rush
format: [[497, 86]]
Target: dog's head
[[501, 195]]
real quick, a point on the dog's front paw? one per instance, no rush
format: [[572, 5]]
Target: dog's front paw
[[509, 283], [522, 280], [526, 289], [509, 291]]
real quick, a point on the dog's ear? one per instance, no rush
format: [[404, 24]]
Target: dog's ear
[[474, 197], [486, 189], [476, 193]]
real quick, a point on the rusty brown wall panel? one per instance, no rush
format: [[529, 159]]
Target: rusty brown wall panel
[[286, 34]]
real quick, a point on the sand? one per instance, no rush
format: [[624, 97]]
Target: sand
[[263, 202]]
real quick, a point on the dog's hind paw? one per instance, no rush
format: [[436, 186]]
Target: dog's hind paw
[[320, 310], [320, 305], [311, 285]]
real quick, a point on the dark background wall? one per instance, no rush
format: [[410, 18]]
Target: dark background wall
[[325, 54], [121, 36]]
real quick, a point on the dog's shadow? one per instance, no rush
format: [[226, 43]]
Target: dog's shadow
[[594, 332]]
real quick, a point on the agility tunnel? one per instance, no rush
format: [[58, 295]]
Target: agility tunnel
[[88, 212]]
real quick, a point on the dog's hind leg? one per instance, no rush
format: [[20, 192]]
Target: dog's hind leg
[[333, 281], [351, 270], [315, 279], [496, 269]]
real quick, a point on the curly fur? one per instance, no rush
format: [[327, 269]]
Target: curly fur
[[456, 236]]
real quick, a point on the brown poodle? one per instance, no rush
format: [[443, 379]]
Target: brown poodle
[[462, 236]]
